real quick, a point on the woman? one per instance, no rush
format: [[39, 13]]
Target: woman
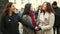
[[29, 16], [46, 17], [9, 20]]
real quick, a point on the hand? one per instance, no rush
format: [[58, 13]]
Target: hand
[[36, 28]]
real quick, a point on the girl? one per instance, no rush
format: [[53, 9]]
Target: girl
[[9, 20], [46, 19], [28, 15]]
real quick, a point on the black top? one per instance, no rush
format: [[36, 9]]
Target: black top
[[36, 14], [9, 24]]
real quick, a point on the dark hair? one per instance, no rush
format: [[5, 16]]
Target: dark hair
[[39, 7], [27, 8], [6, 9], [49, 8], [54, 3]]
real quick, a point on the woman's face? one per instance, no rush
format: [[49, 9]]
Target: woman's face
[[31, 8], [44, 6], [12, 8]]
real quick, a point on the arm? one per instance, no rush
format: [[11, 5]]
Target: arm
[[3, 26], [51, 23], [28, 19], [26, 23]]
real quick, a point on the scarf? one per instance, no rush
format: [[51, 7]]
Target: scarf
[[31, 14]]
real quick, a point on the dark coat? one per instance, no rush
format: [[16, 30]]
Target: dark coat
[[9, 24], [57, 17]]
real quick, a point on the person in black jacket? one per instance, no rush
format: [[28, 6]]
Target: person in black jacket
[[9, 20], [57, 16]]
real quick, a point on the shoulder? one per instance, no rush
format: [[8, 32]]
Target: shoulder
[[16, 15], [26, 16], [52, 14], [2, 17]]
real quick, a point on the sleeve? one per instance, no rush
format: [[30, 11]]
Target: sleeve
[[3, 26], [51, 23], [26, 23]]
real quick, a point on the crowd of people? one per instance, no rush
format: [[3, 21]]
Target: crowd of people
[[44, 20]]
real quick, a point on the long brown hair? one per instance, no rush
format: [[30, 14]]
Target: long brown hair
[[49, 8], [6, 9]]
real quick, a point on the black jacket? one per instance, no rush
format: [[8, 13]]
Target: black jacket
[[9, 24], [36, 14], [57, 17]]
